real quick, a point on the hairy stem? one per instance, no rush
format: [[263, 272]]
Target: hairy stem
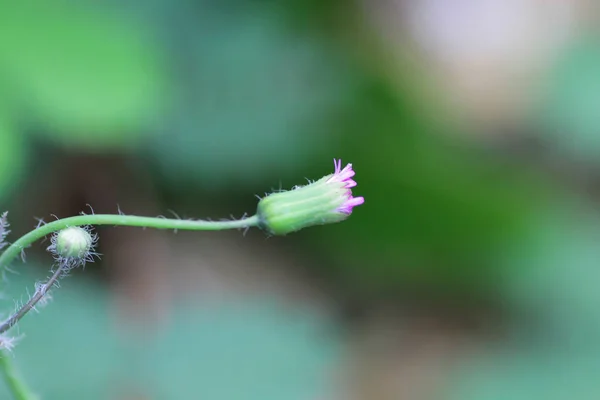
[[13, 381], [100, 219], [38, 295], [15, 249], [17, 387]]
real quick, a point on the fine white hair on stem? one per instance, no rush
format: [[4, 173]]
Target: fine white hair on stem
[[4, 231], [33, 300], [40, 222], [47, 298], [8, 343], [174, 214], [91, 208]]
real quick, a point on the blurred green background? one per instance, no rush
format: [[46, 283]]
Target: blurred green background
[[470, 272]]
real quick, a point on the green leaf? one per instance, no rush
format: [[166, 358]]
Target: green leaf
[[89, 76]]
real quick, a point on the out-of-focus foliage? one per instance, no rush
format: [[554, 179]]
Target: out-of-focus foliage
[[552, 281], [252, 94], [550, 278], [570, 103], [253, 350], [85, 76], [12, 153], [435, 211]]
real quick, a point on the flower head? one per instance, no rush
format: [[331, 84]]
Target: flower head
[[325, 201]]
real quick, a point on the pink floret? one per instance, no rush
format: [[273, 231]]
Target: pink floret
[[345, 175], [351, 203]]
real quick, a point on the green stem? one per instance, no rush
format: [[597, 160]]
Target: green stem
[[14, 382], [26, 240], [25, 308], [101, 219]]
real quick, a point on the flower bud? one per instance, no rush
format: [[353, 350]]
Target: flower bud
[[325, 201], [73, 242]]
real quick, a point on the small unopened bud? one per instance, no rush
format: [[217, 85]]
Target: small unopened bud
[[73, 242], [325, 201]]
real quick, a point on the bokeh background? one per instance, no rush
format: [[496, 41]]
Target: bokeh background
[[471, 272]]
